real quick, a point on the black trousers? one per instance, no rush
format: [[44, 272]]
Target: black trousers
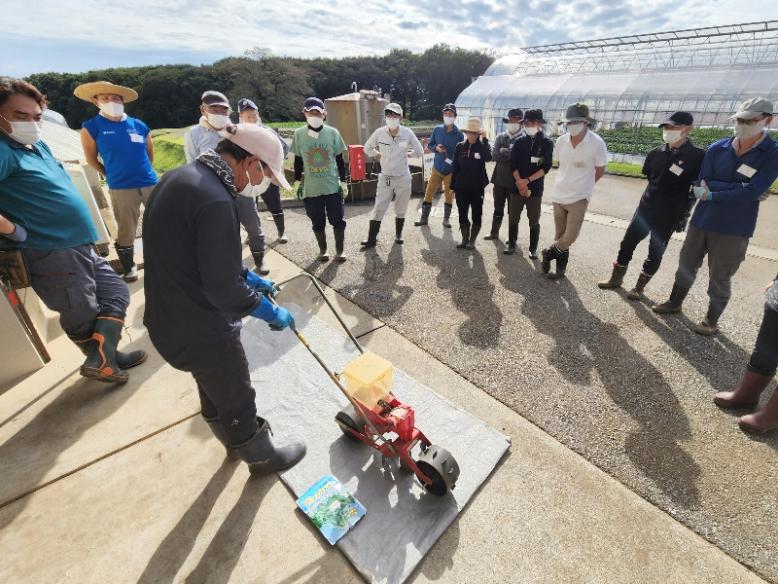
[[764, 359], [325, 208], [272, 199], [501, 197], [221, 371], [659, 226], [470, 199]]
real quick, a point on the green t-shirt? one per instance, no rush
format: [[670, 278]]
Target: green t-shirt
[[318, 154]]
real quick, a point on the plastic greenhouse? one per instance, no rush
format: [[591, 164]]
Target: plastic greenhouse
[[633, 81]]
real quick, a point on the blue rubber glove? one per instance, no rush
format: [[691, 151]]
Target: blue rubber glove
[[277, 317], [262, 285], [702, 192]]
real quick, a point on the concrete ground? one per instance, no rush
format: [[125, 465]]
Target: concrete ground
[[125, 484], [626, 389]]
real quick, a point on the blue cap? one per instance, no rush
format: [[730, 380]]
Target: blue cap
[[313, 103], [245, 103]]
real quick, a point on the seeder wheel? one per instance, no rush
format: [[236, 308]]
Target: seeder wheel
[[440, 466], [348, 418]]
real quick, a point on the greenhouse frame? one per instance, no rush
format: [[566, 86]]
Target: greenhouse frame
[[633, 82]]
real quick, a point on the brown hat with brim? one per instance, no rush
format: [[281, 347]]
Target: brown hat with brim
[[88, 91], [578, 112]]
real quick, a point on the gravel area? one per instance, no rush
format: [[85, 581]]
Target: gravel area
[[628, 390]]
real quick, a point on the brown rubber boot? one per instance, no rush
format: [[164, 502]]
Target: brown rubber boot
[[746, 394], [616, 279], [762, 421], [637, 292]]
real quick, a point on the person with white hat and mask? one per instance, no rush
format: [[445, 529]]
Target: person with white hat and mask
[[197, 290], [582, 157], [469, 179], [126, 153], [736, 175], [248, 113], [391, 145]]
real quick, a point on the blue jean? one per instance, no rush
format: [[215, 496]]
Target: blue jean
[[325, 208], [78, 284]]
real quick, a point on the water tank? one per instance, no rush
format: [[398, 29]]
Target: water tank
[[356, 115]]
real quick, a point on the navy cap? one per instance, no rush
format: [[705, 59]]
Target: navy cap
[[513, 113], [214, 98], [679, 119], [534, 115], [313, 103], [450, 107], [245, 103]]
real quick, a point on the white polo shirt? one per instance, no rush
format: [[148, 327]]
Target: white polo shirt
[[575, 177], [394, 149]]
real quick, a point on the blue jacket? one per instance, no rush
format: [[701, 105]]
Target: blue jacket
[[450, 141], [734, 203]]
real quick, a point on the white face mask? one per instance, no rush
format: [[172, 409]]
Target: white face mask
[[315, 122], [671, 136], [111, 108], [744, 132], [531, 131], [393, 123], [218, 121], [513, 128], [575, 129], [26, 133], [449, 120], [263, 186]]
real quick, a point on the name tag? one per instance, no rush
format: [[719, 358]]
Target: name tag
[[477, 156], [449, 161], [534, 159], [136, 138], [676, 170], [746, 170], [313, 134]]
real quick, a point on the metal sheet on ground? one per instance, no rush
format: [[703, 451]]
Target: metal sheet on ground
[[299, 400]]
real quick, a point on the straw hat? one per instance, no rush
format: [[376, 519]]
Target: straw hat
[[88, 91], [473, 125]]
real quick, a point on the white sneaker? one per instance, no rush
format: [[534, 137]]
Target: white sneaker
[[132, 275]]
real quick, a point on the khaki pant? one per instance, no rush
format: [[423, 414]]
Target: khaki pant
[[126, 207], [433, 186], [568, 220]]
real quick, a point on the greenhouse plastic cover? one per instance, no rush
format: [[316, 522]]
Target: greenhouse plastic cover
[[300, 402]]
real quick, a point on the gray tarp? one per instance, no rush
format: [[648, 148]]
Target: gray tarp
[[402, 521]]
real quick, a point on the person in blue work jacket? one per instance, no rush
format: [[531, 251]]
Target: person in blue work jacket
[[736, 174], [127, 152], [53, 229], [443, 142], [197, 290]]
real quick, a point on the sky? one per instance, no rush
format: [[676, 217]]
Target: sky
[[70, 36]]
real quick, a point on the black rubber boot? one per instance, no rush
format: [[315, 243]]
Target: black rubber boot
[[372, 236], [259, 260], [399, 223], [447, 215], [100, 361], [561, 264], [513, 235], [673, 305], [321, 239], [534, 238], [494, 233], [550, 254], [281, 227], [262, 457], [616, 279], [126, 255], [340, 238], [425, 215], [473, 236], [218, 430], [123, 360], [465, 229]]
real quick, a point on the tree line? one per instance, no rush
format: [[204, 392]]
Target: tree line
[[170, 94]]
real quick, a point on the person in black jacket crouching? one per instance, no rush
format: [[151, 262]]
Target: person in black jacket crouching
[[469, 180]]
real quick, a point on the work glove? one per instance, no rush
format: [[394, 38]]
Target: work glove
[[343, 189], [276, 316], [702, 192], [300, 191], [266, 287]]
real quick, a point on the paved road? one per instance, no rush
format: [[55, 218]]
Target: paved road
[[626, 389]]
